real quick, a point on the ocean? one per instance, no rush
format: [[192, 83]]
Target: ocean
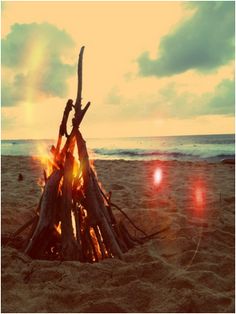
[[186, 148]]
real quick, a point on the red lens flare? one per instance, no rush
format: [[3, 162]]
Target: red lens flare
[[199, 196], [158, 176]]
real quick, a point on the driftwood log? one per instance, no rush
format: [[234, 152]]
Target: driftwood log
[[75, 219]]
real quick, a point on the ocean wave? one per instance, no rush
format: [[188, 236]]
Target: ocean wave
[[138, 153], [221, 157], [225, 156], [142, 154], [188, 148]]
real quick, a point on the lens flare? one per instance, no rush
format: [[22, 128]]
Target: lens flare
[[158, 176], [199, 196]]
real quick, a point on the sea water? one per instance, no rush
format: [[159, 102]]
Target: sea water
[[194, 147]]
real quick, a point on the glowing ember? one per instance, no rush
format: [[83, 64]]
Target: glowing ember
[[158, 176], [58, 228]]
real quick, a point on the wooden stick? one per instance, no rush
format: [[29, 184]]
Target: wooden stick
[[44, 176], [67, 110], [76, 123], [69, 246], [97, 189], [63, 127], [79, 87], [78, 233], [96, 208], [122, 243], [26, 225], [79, 113], [126, 216], [84, 245], [79, 117], [149, 236], [87, 246], [101, 244], [93, 246], [126, 236], [21, 229], [77, 224], [32, 230], [46, 215]]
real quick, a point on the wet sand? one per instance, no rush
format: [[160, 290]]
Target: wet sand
[[187, 268]]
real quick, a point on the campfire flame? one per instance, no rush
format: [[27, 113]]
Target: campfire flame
[[49, 165]]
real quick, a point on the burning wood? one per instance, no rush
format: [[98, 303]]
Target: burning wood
[[75, 219]]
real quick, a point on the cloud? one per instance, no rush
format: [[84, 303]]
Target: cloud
[[8, 96], [186, 105], [169, 102], [203, 42], [224, 100], [34, 55], [114, 97], [173, 104]]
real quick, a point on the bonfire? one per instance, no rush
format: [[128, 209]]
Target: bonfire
[[74, 218]]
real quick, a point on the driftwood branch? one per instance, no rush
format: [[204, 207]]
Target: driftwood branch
[[78, 102], [40, 237], [76, 123], [96, 207], [26, 225], [123, 213], [69, 246], [63, 128]]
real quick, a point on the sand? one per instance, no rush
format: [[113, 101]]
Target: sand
[[166, 274]]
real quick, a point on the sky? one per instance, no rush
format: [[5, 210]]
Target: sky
[[150, 68]]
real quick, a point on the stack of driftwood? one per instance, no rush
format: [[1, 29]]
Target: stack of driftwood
[[75, 219]]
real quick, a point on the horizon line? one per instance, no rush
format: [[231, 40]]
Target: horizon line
[[116, 137]]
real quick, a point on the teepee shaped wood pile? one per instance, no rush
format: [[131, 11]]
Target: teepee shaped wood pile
[[75, 220]]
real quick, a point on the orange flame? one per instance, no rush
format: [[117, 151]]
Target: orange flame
[[58, 228], [45, 159], [76, 169]]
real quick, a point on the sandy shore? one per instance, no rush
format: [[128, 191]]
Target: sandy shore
[[158, 276]]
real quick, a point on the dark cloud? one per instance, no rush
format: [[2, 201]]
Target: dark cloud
[[35, 53], [203, 42]]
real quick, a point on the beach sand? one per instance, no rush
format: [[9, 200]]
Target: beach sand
[[189, 267]]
